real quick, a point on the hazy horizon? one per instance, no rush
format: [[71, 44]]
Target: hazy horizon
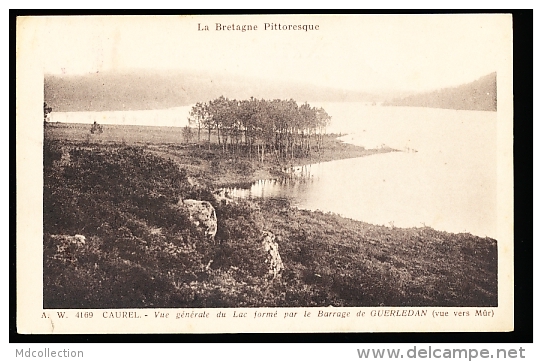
[[257, 80], [368, 53]]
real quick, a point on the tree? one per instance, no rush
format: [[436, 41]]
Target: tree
[[198, 114], [322, 121], [46, 111], [96, 128], [187, 134], [202, 114], [220, 117]]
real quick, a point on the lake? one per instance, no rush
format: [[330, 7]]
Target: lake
[[445, 178], [171, 117]]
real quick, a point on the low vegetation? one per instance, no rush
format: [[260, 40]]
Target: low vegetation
[[141, 250]]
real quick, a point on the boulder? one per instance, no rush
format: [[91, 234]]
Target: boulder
[[66, 246], [203, 215], [273, 259]]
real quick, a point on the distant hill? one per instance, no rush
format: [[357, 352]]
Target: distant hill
[[144, 89], [480, 95]]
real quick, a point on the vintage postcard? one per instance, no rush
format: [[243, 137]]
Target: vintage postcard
[[219, 174]]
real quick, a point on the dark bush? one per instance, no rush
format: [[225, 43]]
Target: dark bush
[[52, 151], [116, 186], [244, 167]]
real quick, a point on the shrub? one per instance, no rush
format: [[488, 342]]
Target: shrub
[[52, 151], [113, 187], [244, 167]]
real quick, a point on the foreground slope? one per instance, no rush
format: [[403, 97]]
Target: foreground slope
[[141, 249]]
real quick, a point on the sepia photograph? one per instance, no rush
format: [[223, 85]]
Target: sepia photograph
[[264, 169]]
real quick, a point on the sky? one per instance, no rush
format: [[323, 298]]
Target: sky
[[363, 52]]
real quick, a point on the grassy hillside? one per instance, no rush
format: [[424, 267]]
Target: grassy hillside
[[141, 250], [480, 95], [127, 134]]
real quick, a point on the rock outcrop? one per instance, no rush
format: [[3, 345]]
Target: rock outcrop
[[203, 215], [66, 246], [273, 259]]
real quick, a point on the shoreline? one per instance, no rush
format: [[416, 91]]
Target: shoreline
[[209, 167], [224, 171], [126, 208]]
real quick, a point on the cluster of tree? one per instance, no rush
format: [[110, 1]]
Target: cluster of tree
[[262, 126]]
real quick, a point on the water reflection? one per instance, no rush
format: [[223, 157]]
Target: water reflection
[[294, 186]]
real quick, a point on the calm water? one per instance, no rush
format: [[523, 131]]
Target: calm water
[[171, 117], [445, 178]]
